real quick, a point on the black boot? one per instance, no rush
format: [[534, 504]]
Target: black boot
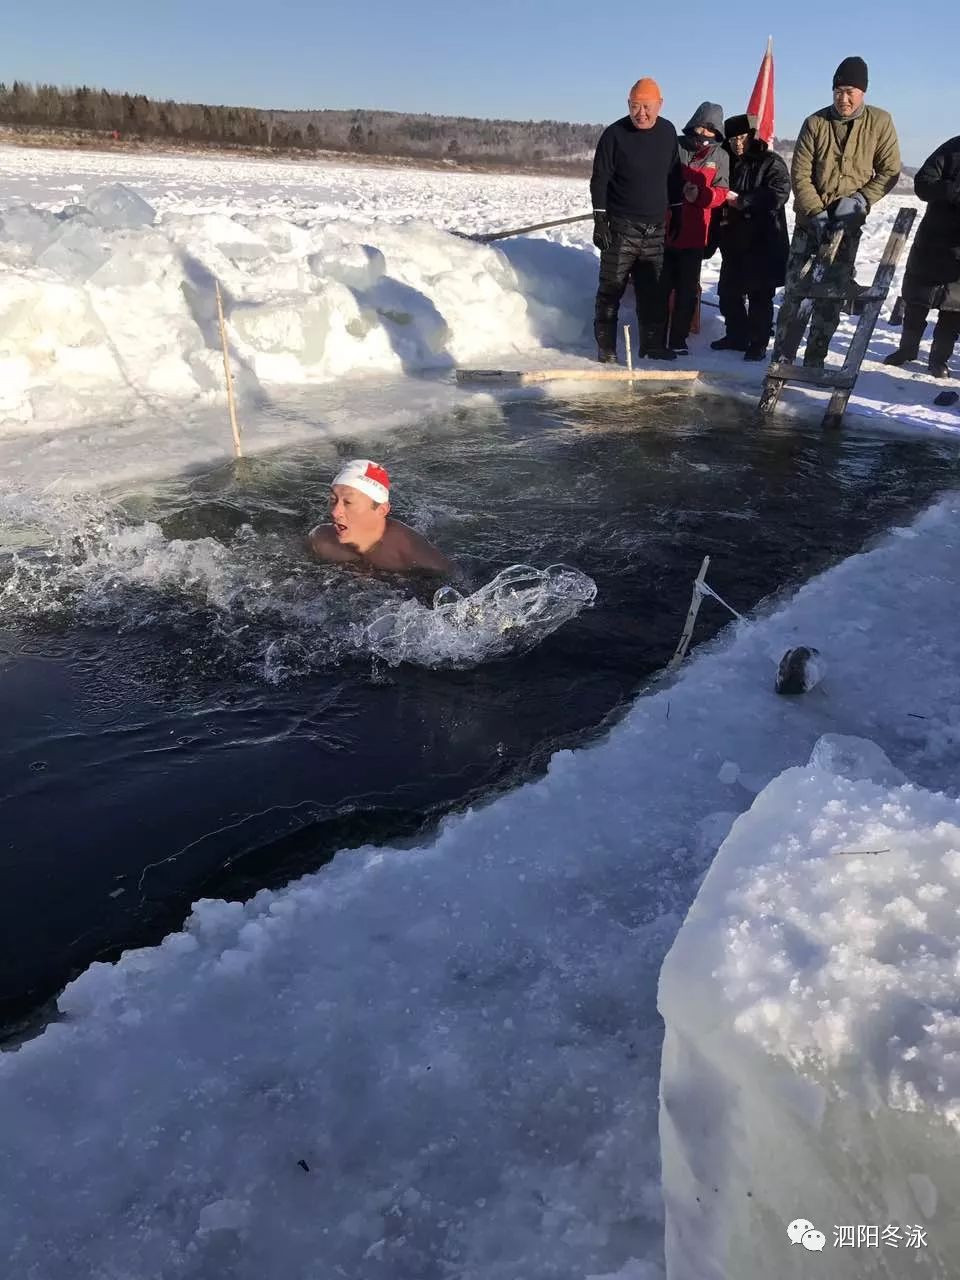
[[902, 355], [652, 346], [605, 332], [914, 323], [729, 342], [944, 339], [756, 351]]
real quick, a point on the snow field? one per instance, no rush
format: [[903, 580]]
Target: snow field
[[461, 1042], [333, 277]]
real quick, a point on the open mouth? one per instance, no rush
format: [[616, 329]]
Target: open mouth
[[340, 528]]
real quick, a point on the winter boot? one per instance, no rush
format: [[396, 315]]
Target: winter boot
[[914, 323], [729, 342], [944, 339], [756, 351], [652, 344], [605, 332]]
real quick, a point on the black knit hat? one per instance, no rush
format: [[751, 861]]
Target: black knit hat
[[851, 72], [734, 126]]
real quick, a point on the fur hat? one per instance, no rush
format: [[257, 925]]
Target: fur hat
[[851, 72], [736, 125]]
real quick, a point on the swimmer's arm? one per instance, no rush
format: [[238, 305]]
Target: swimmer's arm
[[323, 543], [426, 556]]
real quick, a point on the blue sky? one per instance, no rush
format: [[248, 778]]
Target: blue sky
[[509, 58]]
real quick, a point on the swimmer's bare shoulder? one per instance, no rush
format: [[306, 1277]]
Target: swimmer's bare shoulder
[[323, 542], [410, 550]]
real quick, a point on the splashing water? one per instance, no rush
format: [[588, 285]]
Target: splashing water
[[249, 603], [509, 615]]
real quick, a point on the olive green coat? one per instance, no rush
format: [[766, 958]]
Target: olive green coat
[[827, 166]]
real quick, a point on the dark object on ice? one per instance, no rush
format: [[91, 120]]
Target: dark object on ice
[[800, 670], [304, 1166], [947, 398]]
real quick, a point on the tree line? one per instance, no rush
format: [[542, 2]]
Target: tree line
[[459, 139], [548, 144]]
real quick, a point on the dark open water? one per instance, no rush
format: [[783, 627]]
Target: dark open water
[[190, 705]]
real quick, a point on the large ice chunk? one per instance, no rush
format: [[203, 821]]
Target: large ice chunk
[[76, 253], [811, 1064], [24, 232], [115, 206]]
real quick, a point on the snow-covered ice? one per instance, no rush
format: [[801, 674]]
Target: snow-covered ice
[[811, 1062], [329, 272], [460, 1040], [443, 1061]]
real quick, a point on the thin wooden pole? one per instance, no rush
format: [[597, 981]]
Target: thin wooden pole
[[486, 237], [626, 347], [231, 404], [687, 633]]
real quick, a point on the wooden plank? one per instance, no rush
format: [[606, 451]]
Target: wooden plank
[[882, 281], [827, 378], [521, 377], [828, 293]]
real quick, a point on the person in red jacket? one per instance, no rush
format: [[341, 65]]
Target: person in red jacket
[[705, 168]]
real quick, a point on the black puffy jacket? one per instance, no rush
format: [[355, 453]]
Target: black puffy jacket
[[752, 236], [932, 277]]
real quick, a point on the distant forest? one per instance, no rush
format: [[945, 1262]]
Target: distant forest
[[456, 139], [91, 116]]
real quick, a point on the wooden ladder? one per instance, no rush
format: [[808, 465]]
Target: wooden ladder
[[799, 304]]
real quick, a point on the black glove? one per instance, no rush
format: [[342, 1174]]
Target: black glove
[[849, 212], [602, 235]]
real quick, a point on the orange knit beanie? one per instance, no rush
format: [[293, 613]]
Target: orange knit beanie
[[646, 90]]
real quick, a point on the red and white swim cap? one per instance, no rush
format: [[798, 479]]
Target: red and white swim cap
[[369, 477]]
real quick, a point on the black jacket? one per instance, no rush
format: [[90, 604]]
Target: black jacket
[[636, 171], [932, 277], [753, 235]]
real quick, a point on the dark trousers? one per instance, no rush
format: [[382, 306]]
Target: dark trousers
[[636, 254], [748, 313], [681, 276], [945, 332], [840, 276]]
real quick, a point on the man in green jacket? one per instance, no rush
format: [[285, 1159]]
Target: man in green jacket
[[846, 159]]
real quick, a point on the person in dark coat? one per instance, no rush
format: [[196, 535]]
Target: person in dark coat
[[705, 175], [752, 237], [932, 277], [635, 177]]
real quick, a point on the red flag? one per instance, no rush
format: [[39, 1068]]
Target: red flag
[[761, 100]]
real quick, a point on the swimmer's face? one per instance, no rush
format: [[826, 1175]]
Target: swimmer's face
[[356, 518]]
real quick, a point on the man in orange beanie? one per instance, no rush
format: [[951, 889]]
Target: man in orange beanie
[[636, 176]]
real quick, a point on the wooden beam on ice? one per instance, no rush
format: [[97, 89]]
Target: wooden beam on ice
[[521, 377], [825, 378]]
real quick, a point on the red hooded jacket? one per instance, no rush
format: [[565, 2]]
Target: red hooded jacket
[[705, 163]]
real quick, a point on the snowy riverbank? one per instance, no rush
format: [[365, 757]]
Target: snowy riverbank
[[444, 1061], [338, 280]]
